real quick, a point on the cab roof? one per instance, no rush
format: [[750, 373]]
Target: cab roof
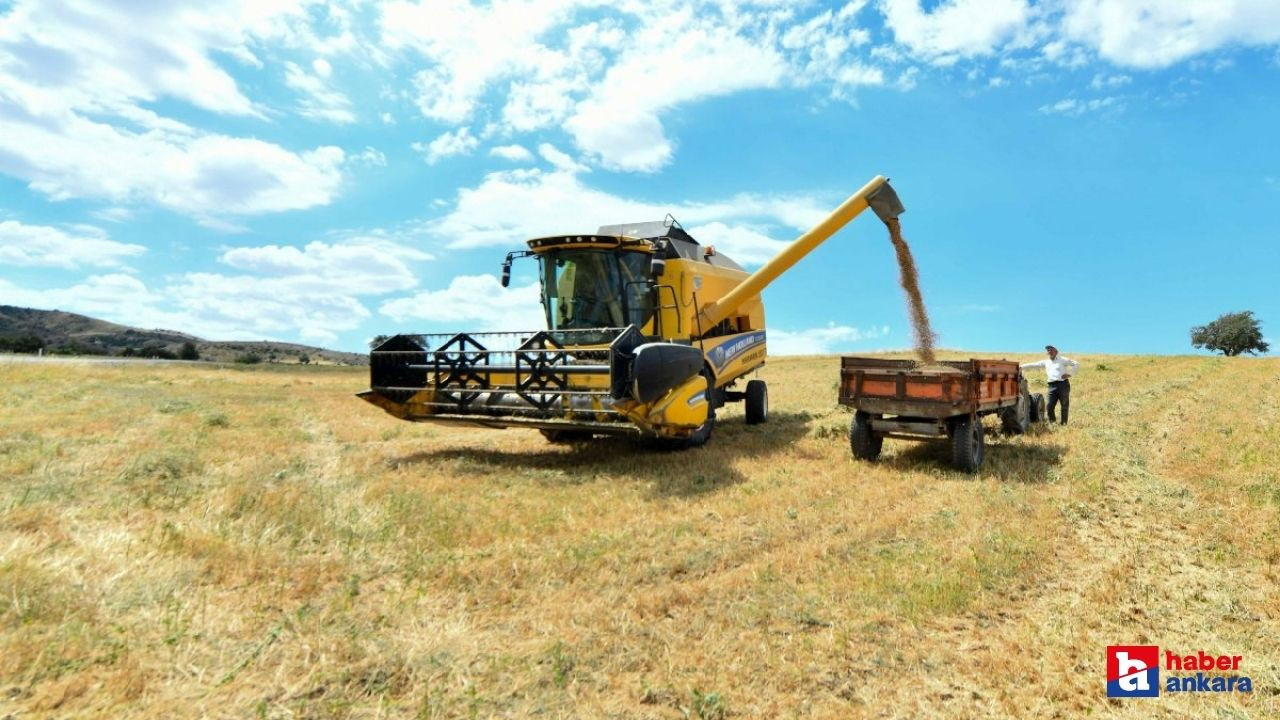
[[680, 244]]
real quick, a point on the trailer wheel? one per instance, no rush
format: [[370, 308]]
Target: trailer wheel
[[865, 444], [967, 444], [1037, 408], [757, 402], [1017, 419], [563, 437]]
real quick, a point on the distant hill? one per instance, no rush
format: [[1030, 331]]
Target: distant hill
[[58, 332]]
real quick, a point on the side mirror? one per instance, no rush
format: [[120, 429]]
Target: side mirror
[[657, 266], [506, 272]]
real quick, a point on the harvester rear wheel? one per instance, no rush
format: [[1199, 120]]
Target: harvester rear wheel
[[967, 444], [757, 402], [865, 444]]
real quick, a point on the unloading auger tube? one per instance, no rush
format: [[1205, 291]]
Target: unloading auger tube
[[648, 331], [877, 194]]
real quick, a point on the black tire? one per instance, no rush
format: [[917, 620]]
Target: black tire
[[1037, 408], [865, 444], [563, 437], [967, 444], [1017, 419], [757, 402]]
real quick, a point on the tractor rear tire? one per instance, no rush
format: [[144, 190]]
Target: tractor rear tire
[[757, 402], [864, 443], [1017, 419], [967, 444], [564, 437]]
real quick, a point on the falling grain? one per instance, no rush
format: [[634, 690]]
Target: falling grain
[[921, 330]]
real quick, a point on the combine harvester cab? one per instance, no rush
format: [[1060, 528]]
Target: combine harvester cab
[[648, 333]]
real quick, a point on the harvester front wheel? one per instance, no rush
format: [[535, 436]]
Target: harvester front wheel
[[865, 444], [757, 402], [967, 444]]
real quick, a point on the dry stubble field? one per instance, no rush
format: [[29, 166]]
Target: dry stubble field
[[188, 541]]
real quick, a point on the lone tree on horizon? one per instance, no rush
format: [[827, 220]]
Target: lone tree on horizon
[[1231, 334]]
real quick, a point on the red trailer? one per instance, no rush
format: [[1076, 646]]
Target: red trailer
[[901, 399]]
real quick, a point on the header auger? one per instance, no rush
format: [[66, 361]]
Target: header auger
[[648, 333]]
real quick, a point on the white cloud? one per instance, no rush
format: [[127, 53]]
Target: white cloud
[[611, 81], [820, 340], [66, 156], [281, 292], [113, 214], [1156, 34], [955, 29], [216, 305], [477, 302], [320, 100], [820, 49], [460, 142], [468, 47], [1102, 81], [367, 266], [116, 297], [675, 60], [73, 81], [559, 159], [508, 207], [71, 247], [370, 157], [1074, 107], [514, 153], [103, 56], [309, 292], [744, 244]]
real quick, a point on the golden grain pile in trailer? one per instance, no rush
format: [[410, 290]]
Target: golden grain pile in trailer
[[648, 333]]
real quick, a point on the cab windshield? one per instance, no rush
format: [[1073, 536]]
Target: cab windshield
[[596, 289]]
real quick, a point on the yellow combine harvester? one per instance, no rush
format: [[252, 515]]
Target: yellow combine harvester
[[648, 333]]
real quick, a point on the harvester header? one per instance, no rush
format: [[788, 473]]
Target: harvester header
[[647, 332]]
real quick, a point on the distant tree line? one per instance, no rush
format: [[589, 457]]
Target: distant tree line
[[27, 343], [32, 343]]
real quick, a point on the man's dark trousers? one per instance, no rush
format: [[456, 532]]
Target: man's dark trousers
[[1059, 391]]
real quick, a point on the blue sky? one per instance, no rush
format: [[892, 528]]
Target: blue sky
[[1100, 174]]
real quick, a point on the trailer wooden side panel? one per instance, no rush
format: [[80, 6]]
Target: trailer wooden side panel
[[900, 387]]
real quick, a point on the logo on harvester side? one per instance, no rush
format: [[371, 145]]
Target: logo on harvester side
[[725, 354]]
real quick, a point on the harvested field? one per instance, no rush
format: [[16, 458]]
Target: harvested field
[[188, 541]]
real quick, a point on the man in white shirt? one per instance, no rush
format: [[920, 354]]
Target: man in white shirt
[[1059, 371]]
